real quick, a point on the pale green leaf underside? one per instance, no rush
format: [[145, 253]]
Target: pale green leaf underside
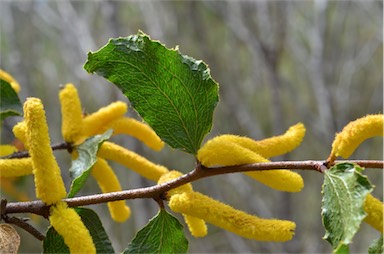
[[344, 193], [173, 93], [81, 166]]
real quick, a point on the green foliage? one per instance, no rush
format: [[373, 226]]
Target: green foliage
[[81, 167], [174, 93], [344, 193], [54, 243], [163, 234], [376, 246], [10, 104]]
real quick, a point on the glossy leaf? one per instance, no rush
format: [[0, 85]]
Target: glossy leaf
[[173, 93], [163, 234], [10, 104]]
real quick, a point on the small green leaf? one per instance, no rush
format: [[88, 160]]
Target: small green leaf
[[81, 167], [54, 243], [92, 222], [173, 93], [376, 246], [10, 104], [341, 249], [163, 234], [344, 193]]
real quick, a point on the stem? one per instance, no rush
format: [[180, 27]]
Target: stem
[[24, 225], [25, 154], [38, 207]]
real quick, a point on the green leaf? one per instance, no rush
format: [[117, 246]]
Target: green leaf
[[173, 93], [81, 167], [54, 243], [163, 234], [376, 246], [10, 104], [344, 193], [341, 249]]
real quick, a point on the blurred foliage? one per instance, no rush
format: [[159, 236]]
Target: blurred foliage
[[277, 63]]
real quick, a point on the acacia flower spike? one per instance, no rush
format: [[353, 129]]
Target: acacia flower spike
[[48, 182], [95, 123], [71, 114], [15, 167], [273, 146], [222, 152], [7, 77], [129, 159], [69, 225], [196, 226], [236, 221], [354, 133], [20, 132], [375, 211], [108, 182]]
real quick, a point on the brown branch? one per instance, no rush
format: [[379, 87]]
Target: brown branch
[[156, 191], [25, 154], [24, 225]]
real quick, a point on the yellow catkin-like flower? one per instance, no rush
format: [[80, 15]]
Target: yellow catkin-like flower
[[354, 133], [273, 146], [139, 130], [7, 150], [20, 132], [226, 217], [94, 123], [69, 225], [375, 210], [196, 226], [139, 164], [49, 184], [71, 113], [222, 152], [108, 182], [15, 167], [7, 77]]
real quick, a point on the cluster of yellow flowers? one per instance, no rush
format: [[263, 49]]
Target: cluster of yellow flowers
[[197, 209]]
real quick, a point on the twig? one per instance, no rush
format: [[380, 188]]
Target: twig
[[25, 154], [24, 225], [38, 207]]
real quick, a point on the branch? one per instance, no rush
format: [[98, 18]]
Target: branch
[[156, 191], [25, 154]]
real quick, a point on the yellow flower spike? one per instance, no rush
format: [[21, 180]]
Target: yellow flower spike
[[129, 159], [7, 150], [196, 226], [273, 146], [94, 123], [7, 77], [108, 182], [68, 224], [49, 184], [139, 130], [71, 112], [223, 152], [226, 217], [20, 132], [375, 210], [15, 167], [354, 133]]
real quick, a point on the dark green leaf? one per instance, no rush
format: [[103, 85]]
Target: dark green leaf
[[81, 167], [344, 192], [92, 222], [174, 93], [10, 104], [163, 234], [376, 246], [54, 243]]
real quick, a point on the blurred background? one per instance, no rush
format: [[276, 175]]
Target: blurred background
[[277, 62]]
